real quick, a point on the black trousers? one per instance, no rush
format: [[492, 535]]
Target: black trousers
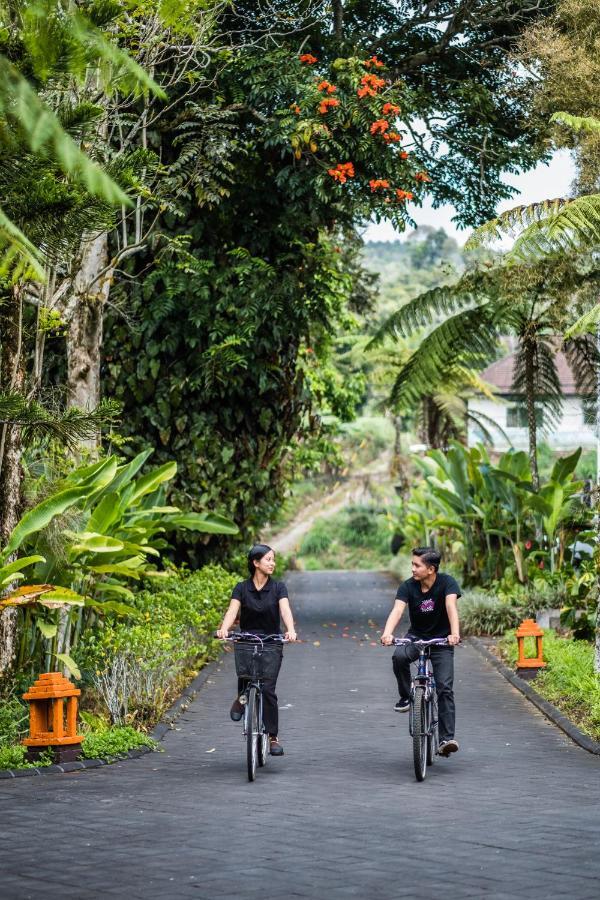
[[270, 708], [442, 660]]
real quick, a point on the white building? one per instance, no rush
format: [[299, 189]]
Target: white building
[[575, 428]]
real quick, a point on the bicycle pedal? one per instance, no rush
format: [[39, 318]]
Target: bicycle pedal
[[243, 700]]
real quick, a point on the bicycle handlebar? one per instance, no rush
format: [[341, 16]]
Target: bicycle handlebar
[[248, 636], [440, 642]]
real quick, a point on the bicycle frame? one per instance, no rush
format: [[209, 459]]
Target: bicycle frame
[[424, 677]]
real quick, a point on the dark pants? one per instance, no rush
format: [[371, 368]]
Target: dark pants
[[442, 660], [270, 708]]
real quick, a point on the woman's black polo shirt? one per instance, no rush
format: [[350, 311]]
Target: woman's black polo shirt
[[260, 609]]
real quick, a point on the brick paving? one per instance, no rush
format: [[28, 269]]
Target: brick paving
[[516, 813]]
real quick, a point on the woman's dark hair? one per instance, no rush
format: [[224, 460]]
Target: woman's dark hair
[[255, 554], [429, 556]]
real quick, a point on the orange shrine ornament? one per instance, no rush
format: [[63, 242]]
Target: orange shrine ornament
[[527, 667], [53, 718]]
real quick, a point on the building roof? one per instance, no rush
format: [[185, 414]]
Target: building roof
[[500, 375]]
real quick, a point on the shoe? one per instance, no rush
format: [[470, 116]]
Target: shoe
[[275, 748], [402, 705], [448, 747], [237, 710]]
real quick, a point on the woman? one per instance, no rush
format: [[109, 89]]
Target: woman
[[259, 601]]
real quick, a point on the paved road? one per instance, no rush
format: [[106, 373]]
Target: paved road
[[515, 814]]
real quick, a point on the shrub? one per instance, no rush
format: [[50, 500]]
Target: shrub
[[483, 614], [319, 538], [134, 666], [114, 742], [13, 722]]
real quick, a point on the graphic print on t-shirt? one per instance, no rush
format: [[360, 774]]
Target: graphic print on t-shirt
[[427, 606]]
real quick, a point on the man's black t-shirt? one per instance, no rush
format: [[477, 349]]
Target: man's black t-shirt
[[260, 609], [427, 609]]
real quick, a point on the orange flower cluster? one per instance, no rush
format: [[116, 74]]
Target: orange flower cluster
[[390, 109], [392, 137], [380, 126], [342, 172], [295, 108], [404, 155], [404, 195], [373, 61], [378, 184], [422, 177], [308, 58], [325, 86], [370, 85], [326, 103]]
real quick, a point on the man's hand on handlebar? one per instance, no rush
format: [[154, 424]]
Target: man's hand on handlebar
[[386, 639], [453, 639], [291, 636]]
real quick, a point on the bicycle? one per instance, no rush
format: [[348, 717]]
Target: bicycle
[[257, 659], [423, 709]]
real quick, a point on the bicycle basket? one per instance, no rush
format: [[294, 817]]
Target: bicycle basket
[[257, 661]]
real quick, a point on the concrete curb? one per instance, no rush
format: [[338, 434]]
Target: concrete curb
[[548, 709], [157, 734]]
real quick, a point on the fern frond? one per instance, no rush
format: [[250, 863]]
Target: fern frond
[[69, 426], [507, 223], [587, 322], [41, 130], [469, 337], [574, 227], [19, 259], [577, 123], [584, 360]]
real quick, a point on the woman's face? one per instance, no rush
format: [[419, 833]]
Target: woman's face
[[266, 565]]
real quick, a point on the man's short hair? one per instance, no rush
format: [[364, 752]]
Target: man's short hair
[[429, 556]]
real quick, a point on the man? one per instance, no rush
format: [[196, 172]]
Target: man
[[431, 598]]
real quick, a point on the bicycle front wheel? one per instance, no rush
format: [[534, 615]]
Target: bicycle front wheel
[[263, 738], [420, 733], [433, 739], [252, 733]]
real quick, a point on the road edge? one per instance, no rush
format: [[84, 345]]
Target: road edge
[[548, 709]]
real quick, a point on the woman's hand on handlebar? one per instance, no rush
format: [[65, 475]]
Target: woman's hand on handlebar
[[291, 636], [222, 633], [453, 639], [386, 639]]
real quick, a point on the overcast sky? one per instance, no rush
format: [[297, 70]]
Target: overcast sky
[[542, 183]]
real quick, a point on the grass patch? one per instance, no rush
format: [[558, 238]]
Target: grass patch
[[114, 742], [569, 681], [357, 537]]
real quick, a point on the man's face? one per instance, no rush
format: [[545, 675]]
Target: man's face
[[420, 569]]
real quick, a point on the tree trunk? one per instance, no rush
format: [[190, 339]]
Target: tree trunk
[[338, 19], [84, 313], [530, 381], [12, 378]]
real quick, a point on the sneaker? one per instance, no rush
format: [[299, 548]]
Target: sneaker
[[237, 710], [275, 748], [402, 705], [448, 747]]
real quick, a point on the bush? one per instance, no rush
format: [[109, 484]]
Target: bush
[[481, 613], [13, 722], [319, 538], [114, 742], [358, 537], [134, 667]]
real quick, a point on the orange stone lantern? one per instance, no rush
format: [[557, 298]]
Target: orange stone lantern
[[52, 722], [528, 667]]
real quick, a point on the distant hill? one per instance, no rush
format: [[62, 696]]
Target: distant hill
[[426, 259]]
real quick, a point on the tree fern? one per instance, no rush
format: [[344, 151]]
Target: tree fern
[[69, 426]]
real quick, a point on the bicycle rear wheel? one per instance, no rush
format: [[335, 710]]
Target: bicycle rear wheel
[[263, 737], [252, 733], [433, 739], [420, 733]]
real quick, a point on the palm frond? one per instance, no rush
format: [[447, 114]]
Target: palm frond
[[587, 322], [584, 360], [573, 228]]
